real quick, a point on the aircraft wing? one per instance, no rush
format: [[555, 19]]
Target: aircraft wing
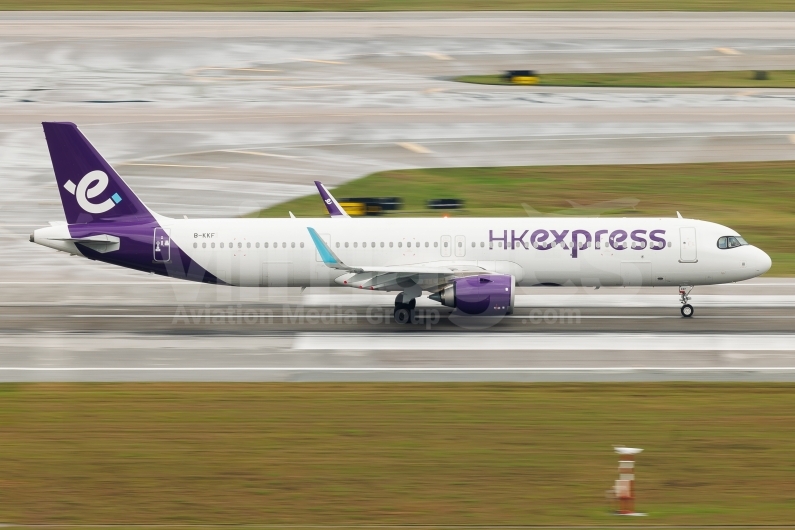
[[386, 277]]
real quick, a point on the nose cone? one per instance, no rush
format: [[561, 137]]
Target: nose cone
[[762, 262]]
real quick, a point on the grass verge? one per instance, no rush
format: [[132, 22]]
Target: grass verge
[[754, 198], [401, 5], [717, 79], [479, 454]]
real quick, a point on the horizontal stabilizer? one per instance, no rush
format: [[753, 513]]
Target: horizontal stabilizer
[[102, 243]]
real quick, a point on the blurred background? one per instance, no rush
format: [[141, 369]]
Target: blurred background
[[223, 114]]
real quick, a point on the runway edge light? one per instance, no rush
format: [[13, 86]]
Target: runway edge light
[[624, 488]]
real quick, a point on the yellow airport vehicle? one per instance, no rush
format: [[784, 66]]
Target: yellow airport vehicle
[[355, 209], [522, 77], [372, 206]]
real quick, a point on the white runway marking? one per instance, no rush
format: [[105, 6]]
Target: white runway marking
[[439, 56], [321, 61], [241, 152], [433, 369], [188, 317], [415, 148], [172, 165], [545, 341], [593, 300]]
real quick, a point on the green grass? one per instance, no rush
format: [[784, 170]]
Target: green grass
[[754, 198], [718, 79], [402, 5], [479, 454]]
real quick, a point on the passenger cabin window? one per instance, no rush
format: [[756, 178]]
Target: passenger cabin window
[[731, 242]]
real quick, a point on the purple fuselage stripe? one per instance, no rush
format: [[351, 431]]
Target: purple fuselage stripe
[[136, 251]]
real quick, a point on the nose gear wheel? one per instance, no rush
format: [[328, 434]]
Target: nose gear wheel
[[684, 296]]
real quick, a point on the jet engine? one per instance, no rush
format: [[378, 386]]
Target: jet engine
[[483, 294]]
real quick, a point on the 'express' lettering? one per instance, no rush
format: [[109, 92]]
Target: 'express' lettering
[[581, 239]]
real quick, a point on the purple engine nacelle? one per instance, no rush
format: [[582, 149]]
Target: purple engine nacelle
[[484, 295]]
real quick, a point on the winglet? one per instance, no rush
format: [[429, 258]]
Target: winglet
[[333, 207], [679, 215], [326, 254]]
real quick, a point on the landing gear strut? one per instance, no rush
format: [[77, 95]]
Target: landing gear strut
[[404, 313], [684, 295]]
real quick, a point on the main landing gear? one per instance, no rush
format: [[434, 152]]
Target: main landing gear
[[684, 295], [404, 313]]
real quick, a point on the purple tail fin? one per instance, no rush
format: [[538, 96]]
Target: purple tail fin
[[333, 207], [90, 188]]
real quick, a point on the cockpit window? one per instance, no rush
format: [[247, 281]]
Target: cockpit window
[[731, 242]]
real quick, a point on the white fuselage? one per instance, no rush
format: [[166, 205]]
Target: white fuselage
[[280, 252]]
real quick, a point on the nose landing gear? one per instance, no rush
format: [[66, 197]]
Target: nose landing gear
[[684, 295]]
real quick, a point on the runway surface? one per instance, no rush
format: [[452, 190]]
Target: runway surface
[[556, 334], [222, 114]]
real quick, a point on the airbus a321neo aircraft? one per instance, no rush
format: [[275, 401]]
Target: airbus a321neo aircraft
[[470, 264]]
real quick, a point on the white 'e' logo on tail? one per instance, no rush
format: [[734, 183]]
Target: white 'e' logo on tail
[[89, 187]]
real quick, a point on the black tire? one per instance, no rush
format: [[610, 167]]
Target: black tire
[[399, 302], [402, 315], [687, 310]]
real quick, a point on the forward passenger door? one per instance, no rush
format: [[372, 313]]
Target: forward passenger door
[[688, 252]]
